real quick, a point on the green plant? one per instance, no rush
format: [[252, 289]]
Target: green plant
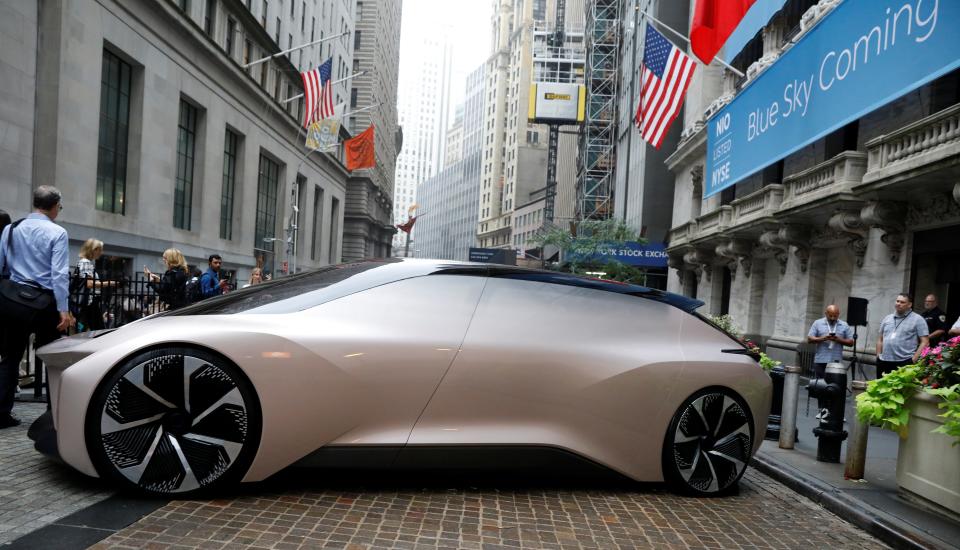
[[936, 373], [730, 327], [581, 248], [951, 403], [766, 363], [884, 401]]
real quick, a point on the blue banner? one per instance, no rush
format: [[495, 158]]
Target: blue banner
[[635, 254], [861, 56]]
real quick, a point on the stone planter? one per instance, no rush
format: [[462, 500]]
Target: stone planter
[[928, 465]]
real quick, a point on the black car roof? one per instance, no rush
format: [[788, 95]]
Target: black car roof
[[568, 279]]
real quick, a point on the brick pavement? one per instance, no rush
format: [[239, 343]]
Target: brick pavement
[[34, 490], [765, 514]]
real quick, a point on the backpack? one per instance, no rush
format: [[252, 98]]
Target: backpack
[[192, 290]]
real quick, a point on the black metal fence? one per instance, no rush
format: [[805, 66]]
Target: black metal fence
[[115, 302], [110, 303]]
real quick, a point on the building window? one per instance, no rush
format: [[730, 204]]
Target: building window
[[231, 29], [334, 256], [247, 52], [114, 125], [353, 97], [277, 34], [356, 40], [356, 65], [230, 146], [263, 75], [184, 5], [313, 28], [210, 18], [303, 17], [359, 10], [263, 14], [317, 223], [266, 220], [186, 153], [293, 8]]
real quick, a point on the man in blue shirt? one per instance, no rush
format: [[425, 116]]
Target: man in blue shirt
[[33, 250], [830, 334], [903, 335], [210, 283]]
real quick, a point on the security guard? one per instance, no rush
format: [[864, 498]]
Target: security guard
[[936, 320]]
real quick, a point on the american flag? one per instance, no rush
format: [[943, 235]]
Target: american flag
[[666, 75], [318, 93]]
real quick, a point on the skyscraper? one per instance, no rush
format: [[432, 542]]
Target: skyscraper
[[424, 105]]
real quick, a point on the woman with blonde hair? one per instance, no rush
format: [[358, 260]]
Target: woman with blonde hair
[[256, 277], [85, 292], [172, 287]]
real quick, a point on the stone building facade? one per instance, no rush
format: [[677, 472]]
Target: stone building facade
[[870, 210], [368, 231], [142, 114]]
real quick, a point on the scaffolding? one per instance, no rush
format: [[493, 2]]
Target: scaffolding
[[596, 157]]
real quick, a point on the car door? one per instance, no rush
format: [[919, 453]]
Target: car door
[[379, 354], [553, 365]]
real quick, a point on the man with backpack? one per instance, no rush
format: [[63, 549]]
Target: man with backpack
[[34, 300], [210, 283]]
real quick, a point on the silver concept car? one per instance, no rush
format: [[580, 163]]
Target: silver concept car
[[405, 363]]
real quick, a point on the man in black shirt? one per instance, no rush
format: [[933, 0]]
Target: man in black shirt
[[936, 320]]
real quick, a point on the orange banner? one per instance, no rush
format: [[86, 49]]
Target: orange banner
[[360, 151]]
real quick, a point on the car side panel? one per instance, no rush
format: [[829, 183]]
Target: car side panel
[[359, 369], [585, 370]]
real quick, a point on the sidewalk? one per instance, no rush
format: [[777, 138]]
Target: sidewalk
[[872, 504]]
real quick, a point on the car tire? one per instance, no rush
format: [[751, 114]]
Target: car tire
[[708, 443], [174, 421]]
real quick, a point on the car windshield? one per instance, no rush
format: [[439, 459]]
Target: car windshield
[[273, 292]]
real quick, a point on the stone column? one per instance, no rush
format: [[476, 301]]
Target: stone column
[[879, 280]]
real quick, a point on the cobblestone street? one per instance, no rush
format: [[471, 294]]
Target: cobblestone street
[[35, 491], [386, 512]]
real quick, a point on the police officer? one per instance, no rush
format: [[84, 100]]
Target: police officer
[[936, 320]]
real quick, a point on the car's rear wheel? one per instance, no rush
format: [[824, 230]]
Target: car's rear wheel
[[708, 443], [174, 421]]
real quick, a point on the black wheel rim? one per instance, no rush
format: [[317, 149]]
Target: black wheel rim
[[174, 423], [712, 443]]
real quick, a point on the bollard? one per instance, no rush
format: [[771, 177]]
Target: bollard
[[857, 447], [773, 421], [788, 413]]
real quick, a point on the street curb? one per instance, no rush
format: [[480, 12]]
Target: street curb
[[887, 528]]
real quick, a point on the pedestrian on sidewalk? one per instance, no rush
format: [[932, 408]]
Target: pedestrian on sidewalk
[[936, 320], [830, 334], [35, 252], [210, 284], [172, 287], [256, 277], [903, 334], [90, 312]]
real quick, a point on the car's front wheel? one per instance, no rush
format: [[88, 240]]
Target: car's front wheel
[[708, 443], [174, 421]]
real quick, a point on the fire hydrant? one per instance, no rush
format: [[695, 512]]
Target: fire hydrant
[[831, 390]]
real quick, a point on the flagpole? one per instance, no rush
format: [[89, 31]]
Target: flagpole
[[284, 52], [344, 79], [733, 69]]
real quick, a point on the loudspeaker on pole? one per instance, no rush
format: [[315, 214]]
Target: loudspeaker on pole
[[857, 311]]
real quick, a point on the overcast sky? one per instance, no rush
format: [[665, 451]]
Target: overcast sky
[[468, 23]]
